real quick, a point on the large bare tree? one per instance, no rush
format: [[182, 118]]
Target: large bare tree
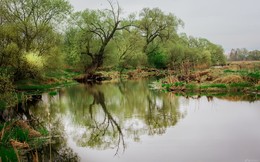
[[99, 28]]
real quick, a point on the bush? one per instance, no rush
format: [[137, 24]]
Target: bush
[[157, 59], [7, 91]]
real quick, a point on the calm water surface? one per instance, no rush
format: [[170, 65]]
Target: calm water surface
[[128, 122]]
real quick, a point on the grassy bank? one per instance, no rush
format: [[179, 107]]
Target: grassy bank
[[228, 79], [19, 139], [50, 80]]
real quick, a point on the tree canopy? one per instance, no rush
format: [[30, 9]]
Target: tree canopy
[[32, 38], [29, 26]]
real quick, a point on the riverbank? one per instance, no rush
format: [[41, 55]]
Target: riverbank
[[50, 80], [234, 77], [225, 82]]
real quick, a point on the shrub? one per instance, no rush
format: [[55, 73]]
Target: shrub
[[7, 91], [157, 59]]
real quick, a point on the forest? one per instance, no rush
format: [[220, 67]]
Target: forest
[[41, 37], [244, 55]]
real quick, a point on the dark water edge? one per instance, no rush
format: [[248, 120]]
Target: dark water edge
[[113, 117]]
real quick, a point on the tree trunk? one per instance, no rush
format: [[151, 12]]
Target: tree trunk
[[97, 61]]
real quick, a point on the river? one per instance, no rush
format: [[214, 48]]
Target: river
[[129, 122]]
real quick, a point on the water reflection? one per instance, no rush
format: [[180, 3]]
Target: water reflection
[[51, 147], [108, 116], [102, 116]]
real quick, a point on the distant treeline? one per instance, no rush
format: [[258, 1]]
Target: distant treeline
[[244, 55]]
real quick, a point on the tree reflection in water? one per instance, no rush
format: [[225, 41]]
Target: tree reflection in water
[[105, 131], [104, 115], [51, 147]]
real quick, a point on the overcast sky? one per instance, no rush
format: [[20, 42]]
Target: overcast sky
[[230, 23]]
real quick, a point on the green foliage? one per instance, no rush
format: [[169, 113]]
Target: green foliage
[[7, 154], [53, 93], [156, 26], [179, 84], [7, 91], [176, 54], [167, 86], [15, 133], [157, 59], [43, 131], [205, 58], [28, 35]]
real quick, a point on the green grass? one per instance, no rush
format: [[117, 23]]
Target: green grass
[[179, 84], [254, 75], [43, 131], [17, 133], [167, 86], [7, 154], [191, 87], [53, 93], [62, 74], [240, 85], [236, 71], [218, 85], [44, 87], [50, 79]]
